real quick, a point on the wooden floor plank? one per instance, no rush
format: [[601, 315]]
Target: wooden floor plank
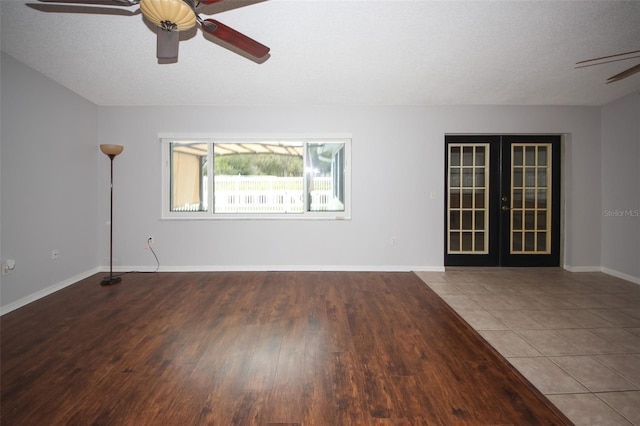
[[256, 348]]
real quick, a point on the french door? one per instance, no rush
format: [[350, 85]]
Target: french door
[[502, 203]]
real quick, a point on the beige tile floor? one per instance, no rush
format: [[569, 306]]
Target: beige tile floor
[[575, 336]]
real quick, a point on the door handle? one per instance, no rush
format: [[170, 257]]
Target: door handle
[[505, 199], [505, 208]]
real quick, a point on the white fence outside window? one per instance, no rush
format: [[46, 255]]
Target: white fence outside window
[[266, 194]]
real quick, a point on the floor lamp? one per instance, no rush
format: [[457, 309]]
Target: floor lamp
[[111, 151]]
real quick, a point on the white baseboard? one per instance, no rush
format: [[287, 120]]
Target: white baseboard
[[582, 268], [620, 275], [47, 291], [262, 268]]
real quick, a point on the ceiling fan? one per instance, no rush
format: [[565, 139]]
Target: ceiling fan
[[614, 58], [169, 17]]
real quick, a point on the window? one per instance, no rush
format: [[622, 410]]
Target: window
[[256, 178]]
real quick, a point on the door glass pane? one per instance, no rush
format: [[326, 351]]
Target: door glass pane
[[454, 198], [480, 199], [542, 156], [467, 156], [467, 241], [454, 177], [541, 222], [530, 158], [479, 220], [479, 242], [530, 198], [516, 242], [468, 198], [516, 219], [467, 177], [516, 158], [454, 219], [517, 198], [454, 156], [454, 241], [467, 219], [529, 241]]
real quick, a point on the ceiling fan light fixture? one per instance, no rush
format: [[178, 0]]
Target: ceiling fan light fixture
[[176, 12]]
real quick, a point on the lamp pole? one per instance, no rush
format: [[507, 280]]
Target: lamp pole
[[111, 151]]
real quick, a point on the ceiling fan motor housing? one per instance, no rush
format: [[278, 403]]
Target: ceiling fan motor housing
[[170, 15]]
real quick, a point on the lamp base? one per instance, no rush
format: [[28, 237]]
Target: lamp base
[[110, 280]]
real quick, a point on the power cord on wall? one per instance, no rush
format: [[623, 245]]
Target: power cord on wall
[[148, 246]]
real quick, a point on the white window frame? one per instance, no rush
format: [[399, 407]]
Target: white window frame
[[167, 138]]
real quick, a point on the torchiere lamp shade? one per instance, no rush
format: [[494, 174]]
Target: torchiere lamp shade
[[111, 150]]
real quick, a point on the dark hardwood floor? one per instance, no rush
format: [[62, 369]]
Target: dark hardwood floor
[[256, 348]]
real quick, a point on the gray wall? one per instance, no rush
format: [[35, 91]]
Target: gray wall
[[55, 192], [397, 157], [49, 183], [621, 187]]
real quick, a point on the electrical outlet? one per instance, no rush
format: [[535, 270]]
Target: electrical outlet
[[150, 240], [394, 240]]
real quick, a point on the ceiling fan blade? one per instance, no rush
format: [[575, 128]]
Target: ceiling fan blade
[[234, 38], [125, 3], [608, 57], [624, 74], [69, 8]]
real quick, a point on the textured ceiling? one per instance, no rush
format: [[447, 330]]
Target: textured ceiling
[[342, 52]]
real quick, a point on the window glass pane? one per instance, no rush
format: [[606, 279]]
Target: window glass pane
[[188, 177], [324, 172], [253, 177]]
